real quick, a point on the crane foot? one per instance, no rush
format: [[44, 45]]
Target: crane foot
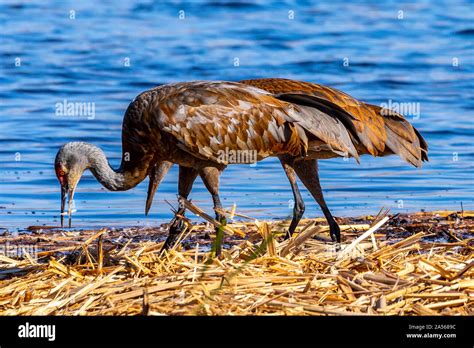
[[176, 228], [335, 232]]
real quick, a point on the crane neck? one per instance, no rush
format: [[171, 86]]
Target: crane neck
[[124, 178]]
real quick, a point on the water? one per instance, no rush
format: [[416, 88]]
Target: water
[[425, 58]]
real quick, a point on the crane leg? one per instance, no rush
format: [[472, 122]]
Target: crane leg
[[210, 178], [298, 209], [157, 174], [187, 176], [307, 171]]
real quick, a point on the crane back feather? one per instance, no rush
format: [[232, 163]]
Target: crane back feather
[[206, 118]]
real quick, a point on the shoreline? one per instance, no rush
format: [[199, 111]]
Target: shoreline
[[402, 264]]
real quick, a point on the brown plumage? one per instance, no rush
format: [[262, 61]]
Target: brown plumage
[[204, 118], [380, 132], [197, 124]]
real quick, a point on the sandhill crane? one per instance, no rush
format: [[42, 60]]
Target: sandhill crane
[[191, 123]]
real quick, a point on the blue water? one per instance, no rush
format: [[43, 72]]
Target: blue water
[[50, 54]]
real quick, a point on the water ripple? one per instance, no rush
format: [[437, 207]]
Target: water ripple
[[111, 52]]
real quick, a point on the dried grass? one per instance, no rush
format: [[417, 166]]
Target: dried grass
[[402, 269]]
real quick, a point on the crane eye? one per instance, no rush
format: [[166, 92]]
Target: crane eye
[[61, 173]]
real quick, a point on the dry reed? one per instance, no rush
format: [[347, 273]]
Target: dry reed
[[418, 264]]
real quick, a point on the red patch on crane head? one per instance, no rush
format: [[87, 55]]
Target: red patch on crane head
[[61, 174]]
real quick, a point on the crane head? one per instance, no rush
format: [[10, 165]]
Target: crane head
[[69, 165]]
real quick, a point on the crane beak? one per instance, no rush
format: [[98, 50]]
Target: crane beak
[[63, 202], [152, 186], [157, 173], [66, 191], [69, 203]]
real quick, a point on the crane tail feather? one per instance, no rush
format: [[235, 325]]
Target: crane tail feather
[[399, 136], [402, 138]]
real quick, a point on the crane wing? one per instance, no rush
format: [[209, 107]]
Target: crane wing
[[379, 132], [209, 118]]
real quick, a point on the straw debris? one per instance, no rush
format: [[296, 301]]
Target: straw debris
[[412, 264]]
